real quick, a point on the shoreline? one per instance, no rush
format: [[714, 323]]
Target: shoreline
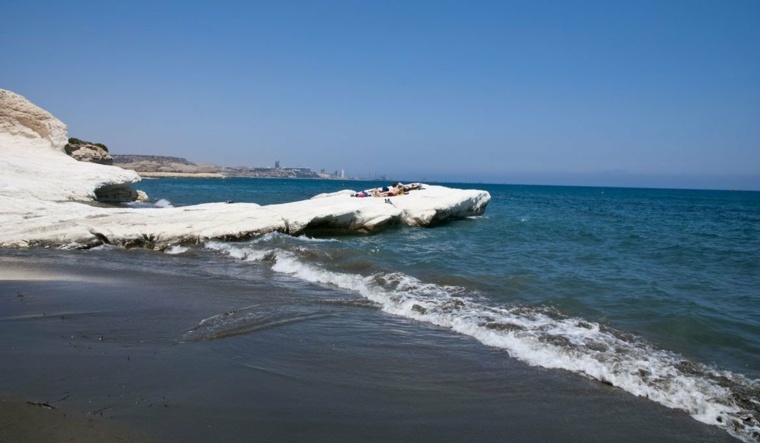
[[108, 330]]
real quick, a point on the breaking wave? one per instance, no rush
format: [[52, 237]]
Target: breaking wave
[[176, 249], [542, 336], [163, 203]]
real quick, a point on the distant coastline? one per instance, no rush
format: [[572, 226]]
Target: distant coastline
[[150, 166], [146, 174]]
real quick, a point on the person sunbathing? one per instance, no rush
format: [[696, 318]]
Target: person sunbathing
[[374, 192], [410, 186], [389, 191]]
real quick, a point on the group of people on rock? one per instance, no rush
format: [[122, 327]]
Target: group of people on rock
[[388, 191]]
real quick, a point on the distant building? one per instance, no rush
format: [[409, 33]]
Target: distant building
[[277, 164]]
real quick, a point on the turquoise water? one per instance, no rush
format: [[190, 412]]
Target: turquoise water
[[654, 291]]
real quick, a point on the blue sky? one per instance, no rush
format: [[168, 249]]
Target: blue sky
[[632, 93]]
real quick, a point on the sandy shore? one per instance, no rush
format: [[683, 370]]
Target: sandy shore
[[124, 345], [32, 421]]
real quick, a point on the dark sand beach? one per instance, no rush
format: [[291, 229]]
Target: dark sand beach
[[29, 421], [121, 353]]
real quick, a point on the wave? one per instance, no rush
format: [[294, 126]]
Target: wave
[[542, 336], [163, 203], [176, 250], [246, 321], [241, 253]]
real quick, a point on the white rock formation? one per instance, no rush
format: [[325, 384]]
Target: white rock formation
[[33, 164], [44, 196]]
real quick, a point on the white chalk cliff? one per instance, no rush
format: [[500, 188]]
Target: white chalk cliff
[[46, 199]]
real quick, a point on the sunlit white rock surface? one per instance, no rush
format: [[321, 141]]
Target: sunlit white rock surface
[[33, 164], [45, 199]]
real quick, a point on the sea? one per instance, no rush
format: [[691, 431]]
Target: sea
[[652, 293]]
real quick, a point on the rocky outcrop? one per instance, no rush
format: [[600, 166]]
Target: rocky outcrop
[[44, 195], [34, 166], [88, 152], [83, 226]]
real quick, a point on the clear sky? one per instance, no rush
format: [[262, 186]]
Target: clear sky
[[634, 93]]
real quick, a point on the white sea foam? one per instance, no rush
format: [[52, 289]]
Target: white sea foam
[[307, 239], [273, 236], [245, 253], [176, 249], [543, 337], [163, 203], [288, 263]]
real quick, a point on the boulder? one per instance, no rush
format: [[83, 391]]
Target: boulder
[[88, 152]]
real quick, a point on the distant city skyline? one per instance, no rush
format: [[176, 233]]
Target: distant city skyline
[[580, 92]]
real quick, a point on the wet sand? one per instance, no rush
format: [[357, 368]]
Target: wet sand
[[30, 421], [120, 349]]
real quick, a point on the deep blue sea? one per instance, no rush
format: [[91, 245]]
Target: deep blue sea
[[654, 291]]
